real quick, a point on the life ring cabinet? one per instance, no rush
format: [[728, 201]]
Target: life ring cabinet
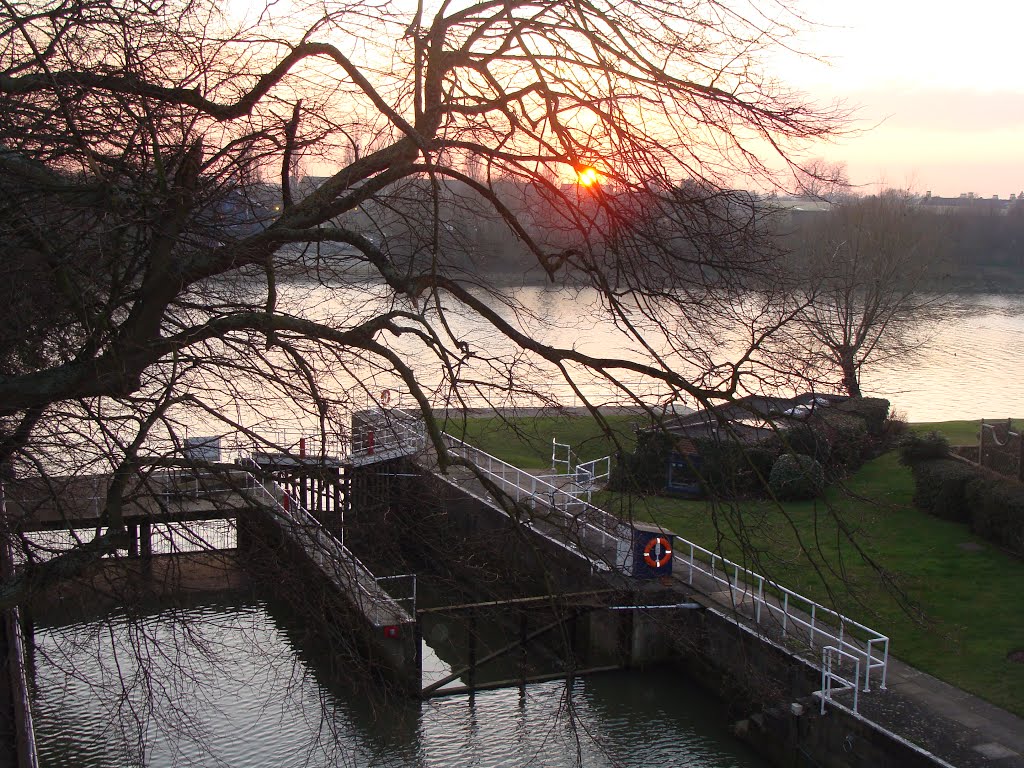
[[653, 552]]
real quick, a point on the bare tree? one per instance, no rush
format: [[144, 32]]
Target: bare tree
[[167, 271], [822, 180], [868, 271]]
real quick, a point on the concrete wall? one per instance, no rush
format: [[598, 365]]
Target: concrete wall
[[391, 652]]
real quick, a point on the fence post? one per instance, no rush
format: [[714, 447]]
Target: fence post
[[981, 443], [1020, 455]]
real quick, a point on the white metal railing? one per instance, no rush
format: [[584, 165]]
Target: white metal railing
[[229, 447], [330, 555], [832, 658], [582, 477], [594, 472], [595, 530], [792, 611], [386, 433], [592, 526]]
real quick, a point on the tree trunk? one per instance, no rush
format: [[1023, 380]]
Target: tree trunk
[[851, 382]]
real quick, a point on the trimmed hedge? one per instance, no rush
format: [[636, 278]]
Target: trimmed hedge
[[731, 469], [796, 477], [809, 438], [645, 469], [953, 490], [997, 511], [915, 448], [848, 434], [940, 488], [874, 411]]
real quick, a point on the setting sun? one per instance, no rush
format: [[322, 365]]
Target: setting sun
[[586, 176]]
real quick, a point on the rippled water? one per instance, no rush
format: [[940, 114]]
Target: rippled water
[[971, 366], [232, 688]]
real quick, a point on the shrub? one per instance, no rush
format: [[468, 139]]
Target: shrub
[[997, 511], [848, 435], [644, 470], [796, 477], [808, 439], [940, 487], [731, 469], [915, 447], [874, 411]]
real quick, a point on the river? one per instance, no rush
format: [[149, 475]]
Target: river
[[969, 363], [236, 686]]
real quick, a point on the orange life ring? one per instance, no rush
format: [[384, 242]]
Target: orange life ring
[[665, 550], [385, 396]]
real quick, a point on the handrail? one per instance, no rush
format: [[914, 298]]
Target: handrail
[[325, 549], [806, 614], [830, 655], [523, 486], [790, 609], [387, 431]]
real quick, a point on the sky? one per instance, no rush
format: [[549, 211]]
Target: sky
[[938, 88]]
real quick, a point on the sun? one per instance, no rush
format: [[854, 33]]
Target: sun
[[586, 176]]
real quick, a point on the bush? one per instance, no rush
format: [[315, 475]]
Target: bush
[[731, 469], [915, 448], [997, 511], [940, 487], [796, 477], [874, 411], [848, 435], [644, 470], [808, 439]]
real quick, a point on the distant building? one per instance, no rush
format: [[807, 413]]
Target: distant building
[[968, 202]]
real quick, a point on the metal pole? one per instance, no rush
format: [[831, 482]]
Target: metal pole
[[981, 443]]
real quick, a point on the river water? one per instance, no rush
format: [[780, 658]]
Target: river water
[[234, 685], [969, 363]]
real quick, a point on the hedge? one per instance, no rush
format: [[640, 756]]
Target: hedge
[[874, 411], [731, 469], [993, 507], [796, 477], [940, 488], [997, 511]]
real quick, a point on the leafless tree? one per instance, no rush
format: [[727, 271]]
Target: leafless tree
[[166, 268], [822, 180], [870, 273]]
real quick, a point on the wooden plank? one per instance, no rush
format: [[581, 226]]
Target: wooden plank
[[519, 681], [558, 598]]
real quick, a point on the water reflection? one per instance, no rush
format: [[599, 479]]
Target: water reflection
[[236, 686]]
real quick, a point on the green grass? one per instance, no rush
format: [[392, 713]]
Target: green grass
[[959, 432], [526, 442], [951, 603]]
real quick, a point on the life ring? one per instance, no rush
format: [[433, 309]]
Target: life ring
[[385, 396], [664, 548]]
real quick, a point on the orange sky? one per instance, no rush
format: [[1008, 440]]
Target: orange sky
[[940, 91]]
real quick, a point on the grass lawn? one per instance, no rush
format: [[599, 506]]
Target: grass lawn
[[526, 442], [952, 604], [959, 432]]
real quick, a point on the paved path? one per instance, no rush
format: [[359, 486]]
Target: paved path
[[954, 725]]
